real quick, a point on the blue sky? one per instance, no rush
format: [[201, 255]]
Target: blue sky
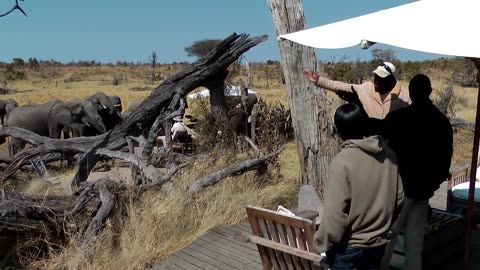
[[128, 30]]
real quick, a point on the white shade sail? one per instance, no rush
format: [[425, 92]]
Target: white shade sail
[[449, 27]]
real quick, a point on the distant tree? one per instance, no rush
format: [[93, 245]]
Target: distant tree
[[202, 48], [153, 60], [384, 55], [18, 62], [464, 72], [447, 101], [33, 63]]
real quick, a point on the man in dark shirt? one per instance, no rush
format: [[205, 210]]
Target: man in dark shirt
[[422, 138]]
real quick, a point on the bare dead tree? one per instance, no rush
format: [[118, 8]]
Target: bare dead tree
[[309, 107], [15, 7], [202, 72], [153, 60]]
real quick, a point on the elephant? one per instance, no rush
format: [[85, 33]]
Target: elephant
[[82, 129], [107, 107], [99, 107], [251, 101], [102, 102], [117, 103], [4, 104], [111, 120], [49, 119]]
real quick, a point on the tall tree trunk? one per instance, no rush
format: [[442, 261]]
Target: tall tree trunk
[[218, 102], [308, 105]]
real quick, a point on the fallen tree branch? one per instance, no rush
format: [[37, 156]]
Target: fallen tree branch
[[152, 136], [15, 7], [162, 180], [149, 171], [462, 123], [214, 178], [108, 200]]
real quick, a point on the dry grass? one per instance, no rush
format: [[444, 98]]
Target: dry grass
[[161, 224]]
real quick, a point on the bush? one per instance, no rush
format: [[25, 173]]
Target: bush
[[11, 73], [274, 126], [446, 101]]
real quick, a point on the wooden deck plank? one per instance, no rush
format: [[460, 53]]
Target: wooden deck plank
[[179, 261], [208, 262], [238, 230], [238, 251], [212, 238], [220, 253], [166, 265], [222, 261], [242, 226], [223, 235], [232, 237], [224, 250], [233, 254]]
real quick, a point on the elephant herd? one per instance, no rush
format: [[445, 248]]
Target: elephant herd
[[90, 116]]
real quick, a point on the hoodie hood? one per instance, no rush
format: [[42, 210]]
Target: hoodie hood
[[372, 144]]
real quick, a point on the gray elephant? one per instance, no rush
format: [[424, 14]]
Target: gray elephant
[[4, 104], [117, 103], [106, 108], [251, 101], [111, 120], [49, 120], [98, 107], [82, 129]]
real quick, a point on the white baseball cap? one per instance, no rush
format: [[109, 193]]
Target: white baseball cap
[[385, 69]]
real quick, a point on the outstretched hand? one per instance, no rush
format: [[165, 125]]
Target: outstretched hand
[[311, 76]]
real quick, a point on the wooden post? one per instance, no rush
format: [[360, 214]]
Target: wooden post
[[473, 173], [253, 122], [308, 105]]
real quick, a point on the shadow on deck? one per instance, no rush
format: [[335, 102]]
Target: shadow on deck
[[222, 248]]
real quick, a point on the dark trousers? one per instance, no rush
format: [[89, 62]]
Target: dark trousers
[[349, 257]]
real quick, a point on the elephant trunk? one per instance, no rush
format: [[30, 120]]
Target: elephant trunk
[[95, 122]]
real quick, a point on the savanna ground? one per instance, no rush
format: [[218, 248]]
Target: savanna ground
[[160, 223]]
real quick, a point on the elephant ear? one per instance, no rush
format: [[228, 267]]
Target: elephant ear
[[10, 107], [77, 110]]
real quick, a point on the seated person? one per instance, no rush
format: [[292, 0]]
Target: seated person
[[178, 129], [362, 196]]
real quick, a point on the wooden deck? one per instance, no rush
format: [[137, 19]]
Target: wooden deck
[[221, 248], [439, 199]]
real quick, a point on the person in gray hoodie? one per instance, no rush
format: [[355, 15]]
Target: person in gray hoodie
[[362, 196]]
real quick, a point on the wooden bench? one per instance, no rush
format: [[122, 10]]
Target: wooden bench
[[283, 242]]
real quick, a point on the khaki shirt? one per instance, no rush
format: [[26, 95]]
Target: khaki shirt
[[397, 99]]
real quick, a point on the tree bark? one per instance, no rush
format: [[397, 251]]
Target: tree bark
[[218, 102], [308, 105]]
